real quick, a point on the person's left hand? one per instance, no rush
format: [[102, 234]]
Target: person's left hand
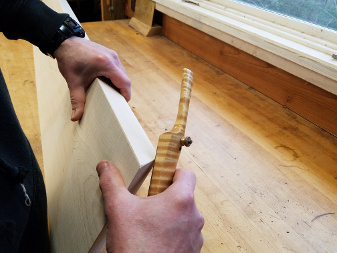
[[80, 61]]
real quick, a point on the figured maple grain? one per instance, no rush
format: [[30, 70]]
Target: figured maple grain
[[169, 144]]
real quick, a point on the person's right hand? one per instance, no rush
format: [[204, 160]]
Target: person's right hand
[[167, 222]]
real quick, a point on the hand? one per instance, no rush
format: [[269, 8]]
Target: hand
[[80, 61], [167, 222]]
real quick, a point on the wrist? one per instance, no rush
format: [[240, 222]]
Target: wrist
[[69, 28], [66, 47]]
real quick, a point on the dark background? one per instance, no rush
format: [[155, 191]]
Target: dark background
[[86, 10]]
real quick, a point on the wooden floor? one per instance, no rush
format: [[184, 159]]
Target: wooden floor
[[267, 178], [17, 66]]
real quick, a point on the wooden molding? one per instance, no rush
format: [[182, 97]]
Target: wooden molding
[[311, 102]]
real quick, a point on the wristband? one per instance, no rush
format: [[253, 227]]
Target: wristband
[[68, 29]]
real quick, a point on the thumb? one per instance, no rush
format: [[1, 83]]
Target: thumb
[[110, 181], [77, 97]]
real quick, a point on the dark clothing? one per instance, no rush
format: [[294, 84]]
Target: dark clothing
[[30, 20], [23, 205]]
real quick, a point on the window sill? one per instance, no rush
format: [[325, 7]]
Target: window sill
[[306, 56]]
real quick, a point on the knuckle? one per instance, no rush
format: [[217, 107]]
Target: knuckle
[[114, 55], [111, 56], [102, 59], [185, 200], [108, 60], [105, 59]]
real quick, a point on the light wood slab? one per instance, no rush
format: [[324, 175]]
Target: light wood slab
[[108, 130]]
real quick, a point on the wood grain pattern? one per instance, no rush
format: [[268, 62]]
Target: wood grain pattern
[[144, 11], [130, 8], [108, 130], [143, 18], [143, 28], [71, 151], [118, 9], [264, 174], [105, 13], [170, 143], [306, 99]]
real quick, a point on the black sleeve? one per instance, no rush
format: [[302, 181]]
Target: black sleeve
[[30, 20]]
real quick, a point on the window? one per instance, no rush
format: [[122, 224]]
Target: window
[[301, 48], [318, 12]]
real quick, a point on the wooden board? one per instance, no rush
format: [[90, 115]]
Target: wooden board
[[113, 10], [143, 19], [130, 8], [118, 9], [105, 12], [108, 130], [144, 11], [144, 29]]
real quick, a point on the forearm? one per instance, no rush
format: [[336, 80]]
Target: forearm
[[30, 20], [80, 61]]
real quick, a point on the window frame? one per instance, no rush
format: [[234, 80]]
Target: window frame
[[280, 19], [301, 48]]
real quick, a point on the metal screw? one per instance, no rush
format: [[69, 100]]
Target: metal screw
[[186, 141]]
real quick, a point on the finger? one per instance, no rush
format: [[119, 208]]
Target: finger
[[111, 180], [77, 97], [183, 176], [126, 93], [183, 181], [122, 82], [124, 85]]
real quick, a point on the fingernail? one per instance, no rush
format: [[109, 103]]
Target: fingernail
[[73, 113], [101, 167]]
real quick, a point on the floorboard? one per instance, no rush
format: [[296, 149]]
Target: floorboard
[[267, 178]]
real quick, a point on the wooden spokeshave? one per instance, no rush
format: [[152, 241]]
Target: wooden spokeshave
[[170, 143]]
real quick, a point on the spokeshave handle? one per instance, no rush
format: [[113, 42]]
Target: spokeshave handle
[[170, 143]]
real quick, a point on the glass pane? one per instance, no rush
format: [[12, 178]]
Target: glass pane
[[319, 12]]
